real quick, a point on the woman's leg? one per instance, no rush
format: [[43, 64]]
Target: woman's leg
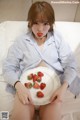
[[51, 111], [21, 111]]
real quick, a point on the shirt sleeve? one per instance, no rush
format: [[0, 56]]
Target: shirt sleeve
[[67, 61], [11, 64]]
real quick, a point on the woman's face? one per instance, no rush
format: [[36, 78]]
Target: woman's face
[[40, 29]]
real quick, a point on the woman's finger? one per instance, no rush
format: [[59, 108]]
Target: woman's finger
[[53, 98], [59, 99], [30, 99]]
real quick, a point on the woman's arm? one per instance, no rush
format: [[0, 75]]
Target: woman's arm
[[10, 68], [11, 64], [68, 62]]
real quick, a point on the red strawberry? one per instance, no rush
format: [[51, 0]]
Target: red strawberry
[[40, 94], [40, 74], [39, 79], [35, 77], [36, 85], [30, 76], [28, 85], [42, 86]]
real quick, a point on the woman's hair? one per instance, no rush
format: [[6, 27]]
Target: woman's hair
[[41, 12]]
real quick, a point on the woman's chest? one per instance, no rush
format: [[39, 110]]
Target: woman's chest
[[35, 52]]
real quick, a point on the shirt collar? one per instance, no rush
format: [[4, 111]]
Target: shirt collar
[[50, 37]]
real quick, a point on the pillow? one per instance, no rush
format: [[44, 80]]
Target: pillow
[[15, 29], [70, 32]]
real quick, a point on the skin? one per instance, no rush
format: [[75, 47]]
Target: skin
[[43, 28]]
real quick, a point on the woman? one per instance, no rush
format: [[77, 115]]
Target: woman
[[41, 46]]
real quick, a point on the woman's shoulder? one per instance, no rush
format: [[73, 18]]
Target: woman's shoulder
[[22, 38], [58, 38]]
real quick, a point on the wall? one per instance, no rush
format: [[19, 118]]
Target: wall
[[14, 9], [77, 16], [18, 9], [65, 12]]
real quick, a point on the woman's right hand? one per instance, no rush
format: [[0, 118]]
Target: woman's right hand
[[23, 93]]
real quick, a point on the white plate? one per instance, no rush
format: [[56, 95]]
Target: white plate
[[52, 83]]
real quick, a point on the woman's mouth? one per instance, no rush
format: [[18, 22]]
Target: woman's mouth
[[39, 34]]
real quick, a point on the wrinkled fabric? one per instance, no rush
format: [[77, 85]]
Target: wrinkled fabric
[[25, 54]]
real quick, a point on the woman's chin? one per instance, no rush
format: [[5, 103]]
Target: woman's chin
[[39, 37]]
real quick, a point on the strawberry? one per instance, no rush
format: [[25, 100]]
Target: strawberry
[[42, 86], [30, 76], [40, 94], [39, 79], [28, 85], [35, 77], [36, 85], [40, 74]]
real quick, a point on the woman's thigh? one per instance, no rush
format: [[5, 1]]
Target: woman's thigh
[[22, 111], [51, 111]]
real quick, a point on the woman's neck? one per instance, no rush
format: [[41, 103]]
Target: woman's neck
[[40, 41]]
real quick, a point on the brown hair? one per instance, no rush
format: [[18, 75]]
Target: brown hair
[[42, 11]]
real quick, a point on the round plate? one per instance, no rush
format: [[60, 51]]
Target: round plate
[[52, 83]]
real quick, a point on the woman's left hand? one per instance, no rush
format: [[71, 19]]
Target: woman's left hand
[[58, 95]]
